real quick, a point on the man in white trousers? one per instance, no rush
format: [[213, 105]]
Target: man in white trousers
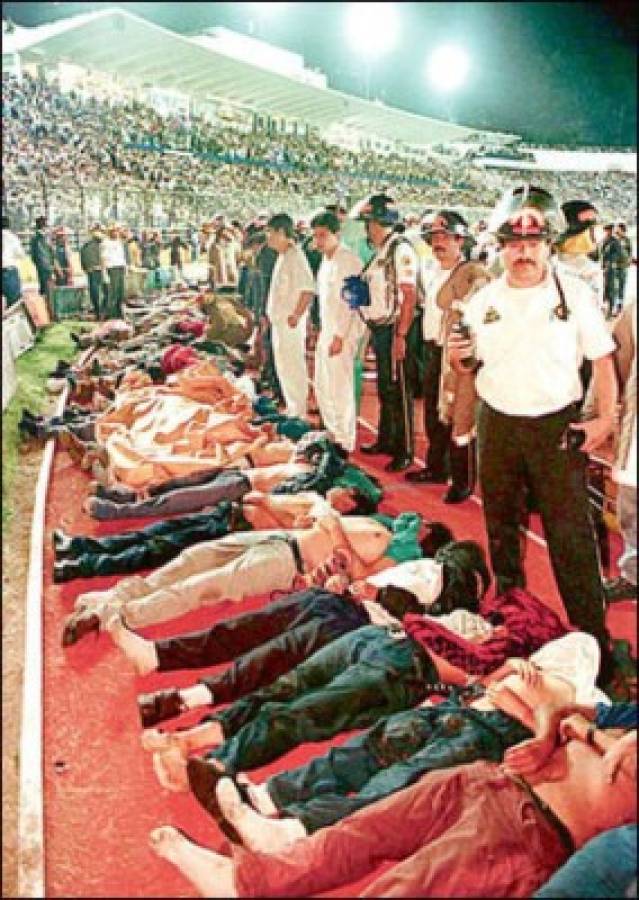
[[340, 331], [292, 289]]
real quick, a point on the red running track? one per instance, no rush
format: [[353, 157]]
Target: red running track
[[101, 798]]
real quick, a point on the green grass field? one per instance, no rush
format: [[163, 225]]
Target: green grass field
[[32, 369]]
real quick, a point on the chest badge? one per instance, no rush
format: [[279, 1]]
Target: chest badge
[[560, 312], [491, 316]]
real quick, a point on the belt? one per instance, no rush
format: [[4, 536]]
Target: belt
[[562, 832], [295, 550]]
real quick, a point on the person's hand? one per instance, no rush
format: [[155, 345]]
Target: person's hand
[[574, 727], [336, 346], [597, 431], [459, 348], [527, 671], [399, 348], [292, 321], [622, 756], [304, 520], [529, 756]]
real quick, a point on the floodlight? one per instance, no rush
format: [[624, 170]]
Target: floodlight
[[447, 68], [372, 28]]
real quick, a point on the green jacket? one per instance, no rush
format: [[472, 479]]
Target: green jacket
[[41, 252], [91, 255]]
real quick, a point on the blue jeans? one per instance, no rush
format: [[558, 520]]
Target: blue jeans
[[11, 287], [350, 683], [604, 867], [227, 486]]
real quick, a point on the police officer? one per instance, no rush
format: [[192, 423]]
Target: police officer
[[611, 252], [530, 329], [448, 403], [392, 279]]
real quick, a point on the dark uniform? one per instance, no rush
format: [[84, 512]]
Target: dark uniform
[[393, 267], [611, 253], [41, 253], [91, 262]]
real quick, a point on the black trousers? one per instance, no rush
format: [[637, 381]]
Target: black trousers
[[97, 293], [395, 430], [262, 645], [520, 451]]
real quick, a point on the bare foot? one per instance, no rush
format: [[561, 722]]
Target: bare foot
[[258, 833], [258, 795], [170, 769], [138, 650], [210, 873], [152, 740]]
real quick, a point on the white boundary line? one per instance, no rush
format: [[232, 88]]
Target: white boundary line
[[530, 534], [31, 796]]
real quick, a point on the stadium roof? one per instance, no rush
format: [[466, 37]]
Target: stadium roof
[[118, 42]]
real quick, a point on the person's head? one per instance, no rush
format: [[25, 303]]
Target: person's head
[[445, 231], [326, 228], [113, 230], [351, 501], [399, 601], [280, 232], [621, 229], [465, 577], [381, 216], [579, 236], [525, 222], [41, 222], [338, 209], [432, 536]]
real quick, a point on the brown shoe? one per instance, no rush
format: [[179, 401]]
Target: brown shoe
[[78, 625]]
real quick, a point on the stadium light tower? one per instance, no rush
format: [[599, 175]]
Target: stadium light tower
[[447, 68], [372, 29]]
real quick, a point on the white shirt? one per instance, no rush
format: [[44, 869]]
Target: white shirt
[[433, 314], [11, 249], [382, 303], [335, 316], [113, 253], [291, 277], [575, 657], [530, 357], [584, 268]]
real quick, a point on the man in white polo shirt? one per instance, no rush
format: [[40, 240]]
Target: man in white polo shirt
[[115, 263], [292, 289], [340, 330], [531, 329]]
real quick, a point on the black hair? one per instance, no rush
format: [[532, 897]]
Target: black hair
[[282, 222], [398, 601], [40, 221], [365, 505], [326, 219], [461, 561], [438, 536]]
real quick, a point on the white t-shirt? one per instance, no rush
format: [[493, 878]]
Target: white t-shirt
[[11, 249], [433, 314], [584, 268], [113, 253], [382, 303], [291, 276], [335, 316], [530, 357]]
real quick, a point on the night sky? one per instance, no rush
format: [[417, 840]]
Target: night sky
[[552, 72]]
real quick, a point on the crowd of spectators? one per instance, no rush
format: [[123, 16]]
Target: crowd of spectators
[[71, 151]]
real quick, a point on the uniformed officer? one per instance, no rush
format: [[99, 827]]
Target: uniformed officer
[[448, 402], [340, 331], [392, 279], [530, 330], [290, 294]]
